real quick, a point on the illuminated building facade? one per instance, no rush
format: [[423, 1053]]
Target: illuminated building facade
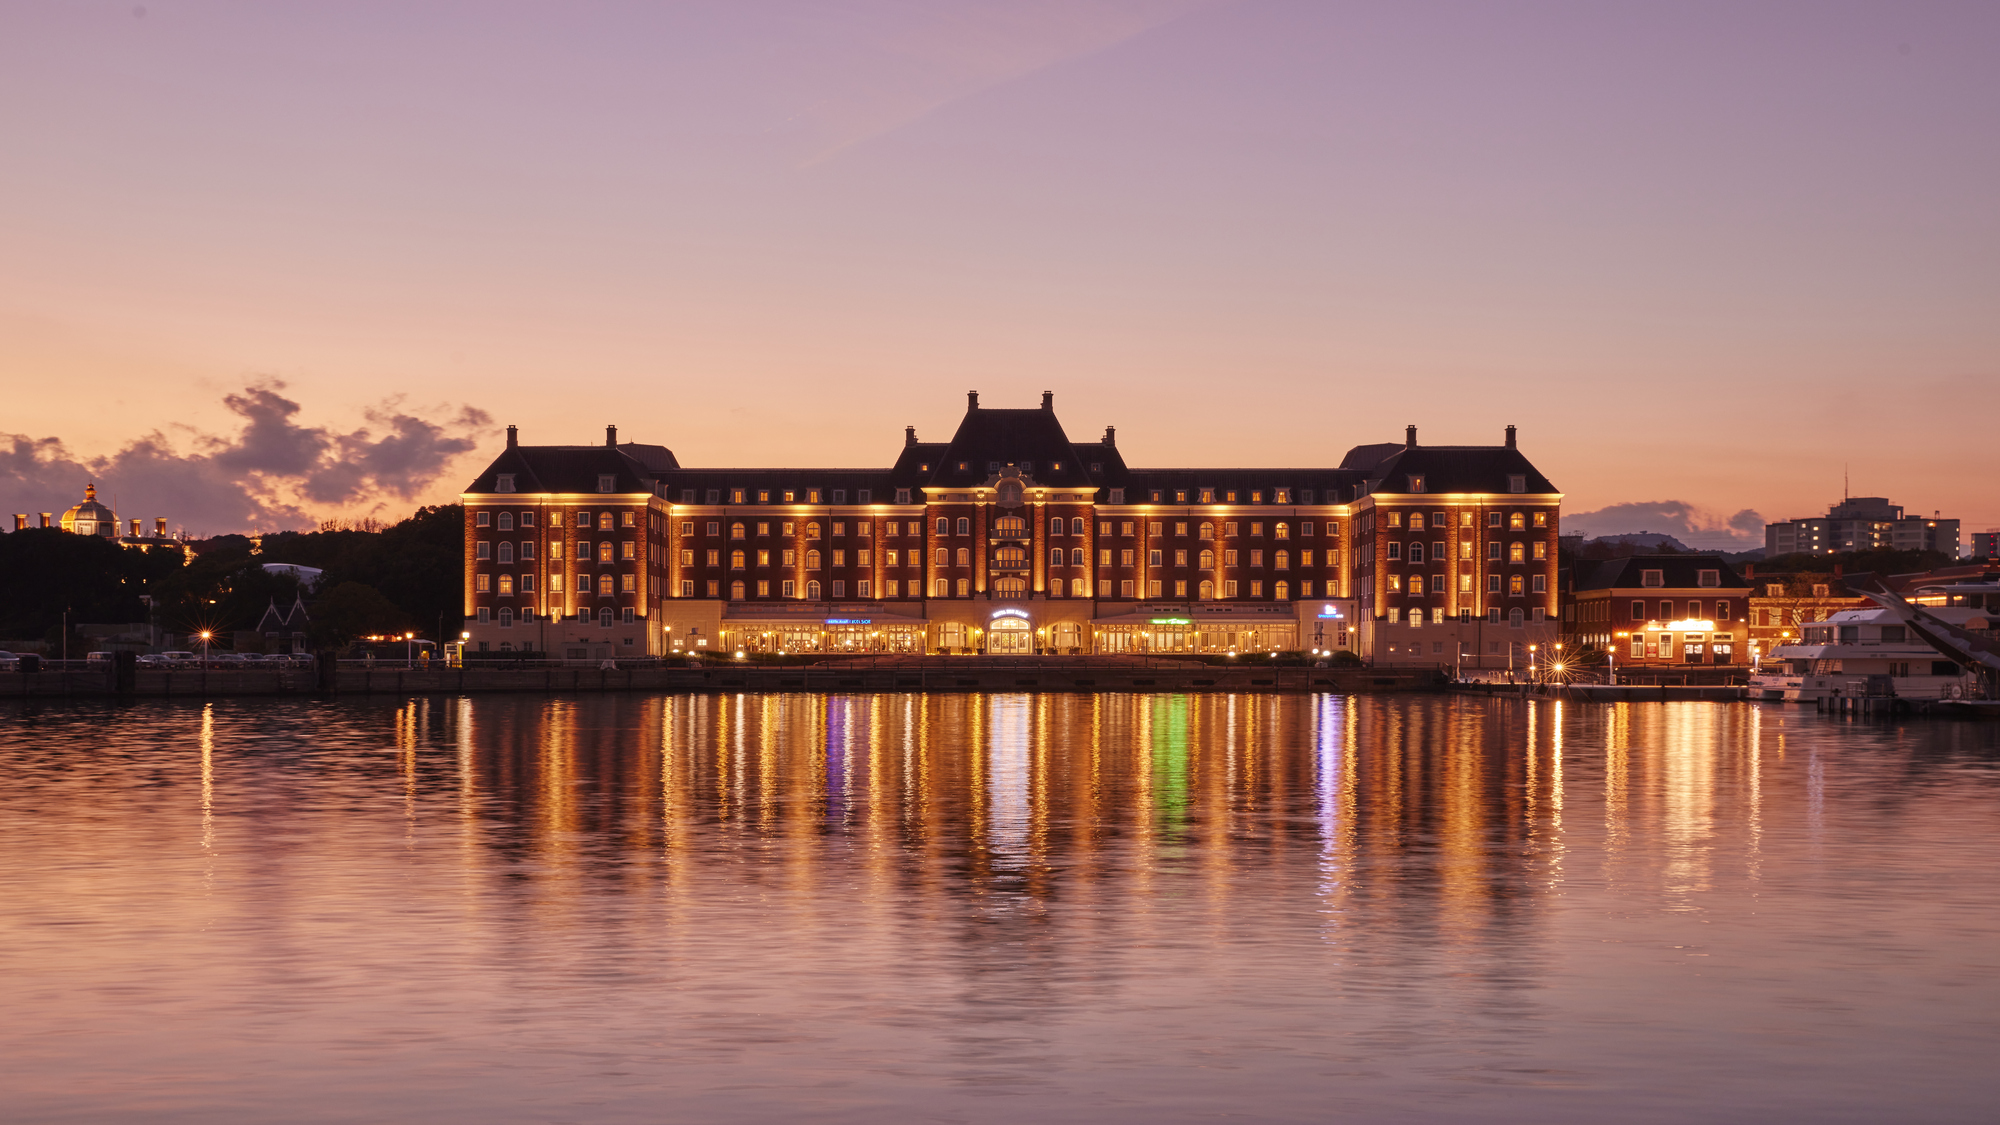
[[1011, 539], [1662, 609]]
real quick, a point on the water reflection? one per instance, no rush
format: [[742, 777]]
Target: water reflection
[[1108, 906]]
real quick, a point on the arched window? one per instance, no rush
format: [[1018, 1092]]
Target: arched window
[[1055, 587], [942, 589], [812, 530], [1513, 585], [736, 591], [812, 591], [506, 617], [1011, 556], [1514, 618], [1284, 531], [604, 618], [1076, 556], [1208, 531], [506, 552], [1207, 589], [1416, 521], [1516, 553], [1416, 552], [604, 583], [1055, 556], [1010, 523], [1282, 591], [1079, 588], [964, 526], [506, 521], [1055, 525], [1076, 526], [944, 526], [736, 531], [812, 560], [1010, 587], [736, 561], [507, 584], [1283, 560], [964, 557], [1207, 560], [944, 556]]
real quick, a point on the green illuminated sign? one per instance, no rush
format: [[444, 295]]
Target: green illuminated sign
[[1173, 620]]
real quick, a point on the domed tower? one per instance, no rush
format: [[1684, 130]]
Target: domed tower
[[91, 517]]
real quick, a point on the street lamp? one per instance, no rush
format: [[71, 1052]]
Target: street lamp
[[1531, 664], [409, 650], [205, 635]]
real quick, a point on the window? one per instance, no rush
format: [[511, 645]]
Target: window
[[527, 583], [964, 587], [812, 590], [943, 526], [1229, 588], [1395, 552], [1708, 578], [482, 550], [861, 496], [763, 496], [1465, 583], [1079, 588], [1206, 590], [812, 530], [964, 556], [1652, 578], [736, 591], [1125, 558], [1076, 526], [1055, 525], [1208, 496], [1208, 560], [1229, 558], [1820, 591], [1541, 549], [1514, 618], [483, 583], [1541, 519], [1207, 531], [628, 519], [1516, 552], [736, 560], [482, 519], [1305, 558], [1155, 558], [628, 583], [902, 496], [1416, 552], [1722, 614], [1517, 482], [628, 551], [1516, 521], [1666, 611], [1493, 551], [1541, 584], [1638, 647], [812, 560], [606, 482], [1104, 558], [1180, 558], [604, 583], [1281, 531], [1076, 556], [506, 521], [583, 521], [1395, 583], [506, 552]]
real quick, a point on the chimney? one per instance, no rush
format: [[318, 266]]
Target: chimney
[[972, 400], [45, 518], [20, 521], [1510, 437], [909, 435], [611, 436], [1111, 435], [1409, 437], [160, 527], [513, 437], [136, 525], [1749, 570], [1048, 400]]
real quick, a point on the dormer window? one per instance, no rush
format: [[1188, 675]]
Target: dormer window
[[1652, 578], [1055, 466], [1282, 496], [1095, 466], [1517, 482], [606, 482], [965, 466], [1416, 482], [902, 496], [1117, 496], [503, 482], [1708, 578]]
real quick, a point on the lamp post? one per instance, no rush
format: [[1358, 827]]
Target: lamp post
[[409, 650], [1531, 664]]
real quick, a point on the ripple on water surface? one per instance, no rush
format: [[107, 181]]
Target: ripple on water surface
[[984, 908]]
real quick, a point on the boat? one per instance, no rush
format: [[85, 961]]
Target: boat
[[1942, 648]]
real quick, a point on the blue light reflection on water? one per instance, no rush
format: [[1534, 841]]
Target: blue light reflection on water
[[1066, 907]]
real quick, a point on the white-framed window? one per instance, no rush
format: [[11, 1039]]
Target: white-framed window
[[1117, 496], [1104, 587], [482, 550], [628, 583], [1541, 584], [687, 587], [1395, 552], [1652, 578], [1517, 482], [503, 482], [485, 615], [1125, 588], [1708, 578], [482, 519], [1229, 588], [606, 482], [964, 526], [506, 618], [964, 587], [863, 588], [902, 496], [482, 583]]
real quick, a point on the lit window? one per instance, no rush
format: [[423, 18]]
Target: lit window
[[483, 583], [1513, 585], [1515, 552], [1229, 588], [628, 583]]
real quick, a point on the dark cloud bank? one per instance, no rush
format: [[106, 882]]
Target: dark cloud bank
[[1678, 518], [271, 474]]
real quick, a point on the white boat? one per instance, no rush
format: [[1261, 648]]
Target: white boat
[[1864, 652]]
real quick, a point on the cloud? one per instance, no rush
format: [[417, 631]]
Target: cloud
[[1697, 527], [271, 473]]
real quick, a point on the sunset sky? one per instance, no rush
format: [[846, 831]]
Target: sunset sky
[[263, 262]]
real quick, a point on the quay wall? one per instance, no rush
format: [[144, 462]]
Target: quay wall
[[1066, 676]]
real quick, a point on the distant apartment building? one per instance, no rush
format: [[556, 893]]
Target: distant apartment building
[[1986, 544], [1861, 523]]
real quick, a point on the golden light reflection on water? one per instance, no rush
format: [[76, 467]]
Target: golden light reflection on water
[[975, 892]]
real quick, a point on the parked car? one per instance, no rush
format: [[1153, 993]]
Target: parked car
[[179, 660], [97, 659], [9, 662], [254, 659], [150, 660]]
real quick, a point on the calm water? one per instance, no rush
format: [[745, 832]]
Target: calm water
[[966, 908]]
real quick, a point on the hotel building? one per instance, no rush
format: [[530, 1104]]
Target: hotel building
[[1011, 538]]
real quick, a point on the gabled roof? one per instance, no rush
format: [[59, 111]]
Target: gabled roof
[[1677, 572], [1032, 439], [1455, 468]]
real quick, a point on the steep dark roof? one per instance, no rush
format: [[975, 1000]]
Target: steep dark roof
[[1677, 572], [566, 468], [657, 458], [1456, 468], [1032, 439], [1366, 457]]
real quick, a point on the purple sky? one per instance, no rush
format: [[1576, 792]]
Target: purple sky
[[1703, 255]]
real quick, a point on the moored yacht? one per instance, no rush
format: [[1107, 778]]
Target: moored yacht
[[1848, 651]]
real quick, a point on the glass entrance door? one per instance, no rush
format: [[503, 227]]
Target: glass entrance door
[[1009, 636]]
